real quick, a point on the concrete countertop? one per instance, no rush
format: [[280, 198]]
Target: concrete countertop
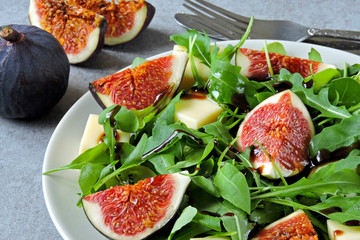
[[23, 213]]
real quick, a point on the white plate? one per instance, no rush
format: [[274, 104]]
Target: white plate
[[61, 188]]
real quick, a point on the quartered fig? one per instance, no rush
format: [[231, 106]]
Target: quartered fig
[[136, 211], [297, 225], [283, 127], [81, 32], [142, 86], [125, 19], [254, 64]]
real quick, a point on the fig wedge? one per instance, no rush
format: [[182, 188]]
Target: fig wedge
[[283, 126], [126, 19], [254, 64], [81, 32]]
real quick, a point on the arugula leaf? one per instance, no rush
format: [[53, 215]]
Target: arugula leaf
[[318, 101], [315, 55], [185, 218], [344, 181], [137, 62], [133, 159], [88, 177], [351, 162], [350, 208], [320, 79], [226, 82], [205, 184], [208, 221], [202, 43], [131, 124], [339, 135], [96, 154], [232, 186], [350, 70], [345, 91], [163, 162], [237, 224], [275, 47]]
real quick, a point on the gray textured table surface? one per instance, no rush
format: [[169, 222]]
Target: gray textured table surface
[[23, 213]]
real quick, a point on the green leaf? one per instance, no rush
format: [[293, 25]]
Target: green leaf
[[347, 89], [350, 208], [89, 175], [205, 184], [136, 174], [194, 157], [163, 162], [137, 62], [226, 82], [185, 218], [126, 120], [315, 55], [340, 135], [208, 221], [344, 181], [220, 131], [202, 43], [267, 214], [237, 224], [96, 155], [135, 157], [318, 101], [351, 162], [232, 186], [320, 79], [275, 47]]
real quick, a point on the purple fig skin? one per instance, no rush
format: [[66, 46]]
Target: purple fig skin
[[96, 97], [34, 71]]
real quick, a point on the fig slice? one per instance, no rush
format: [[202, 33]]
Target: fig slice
[[151, 83], [283, 126], [136, 211], [81, 32], [254, 64], [126, 19], [296, 225]]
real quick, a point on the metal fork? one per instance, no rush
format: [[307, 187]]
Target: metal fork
[[223, 24]]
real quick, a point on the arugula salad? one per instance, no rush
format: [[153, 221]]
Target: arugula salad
[[226, 197]]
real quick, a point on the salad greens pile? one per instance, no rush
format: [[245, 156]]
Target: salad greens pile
[[226, 197]]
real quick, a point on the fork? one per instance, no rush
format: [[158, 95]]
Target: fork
[[222, 24]]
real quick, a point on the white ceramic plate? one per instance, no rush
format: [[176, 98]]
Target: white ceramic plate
[[61, 188]]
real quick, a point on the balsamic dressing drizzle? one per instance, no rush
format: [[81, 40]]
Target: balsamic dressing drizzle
[[169, 139]]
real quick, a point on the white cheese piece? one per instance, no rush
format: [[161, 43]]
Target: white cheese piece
[[94, 132], [188, 78], [339, 231], [195, 112]]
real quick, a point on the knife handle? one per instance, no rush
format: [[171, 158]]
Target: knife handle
[[351, 35]]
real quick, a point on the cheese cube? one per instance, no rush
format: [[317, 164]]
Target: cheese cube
[[94, 132], [197, 112], [339, 231]]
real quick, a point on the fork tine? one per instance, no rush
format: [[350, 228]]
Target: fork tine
[[235, 26], [225, 12], [211, 33], [201, 19], [216, 23]]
